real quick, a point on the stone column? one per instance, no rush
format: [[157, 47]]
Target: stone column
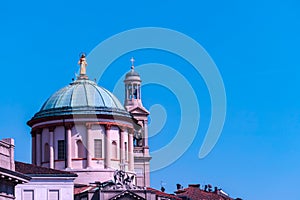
[[122, 148], [107, 146], [51, 147], [33, 149], [88, 146], [38, 148], [146, 150], [130, 151], [68, 146]]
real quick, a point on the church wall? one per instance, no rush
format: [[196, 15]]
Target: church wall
[[78, 135], [97, 132], [115, 138], [92, 175], [75, 136], [40, 188], [59, 134], [45, 139], [126, 149]]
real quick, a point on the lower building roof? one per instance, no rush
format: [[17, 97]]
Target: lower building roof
[[37, 171]]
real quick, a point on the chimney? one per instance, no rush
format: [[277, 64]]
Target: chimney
[[178, 186], [216, 190], [209, 188]]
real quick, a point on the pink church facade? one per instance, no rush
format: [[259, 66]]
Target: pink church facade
[[84, 129]]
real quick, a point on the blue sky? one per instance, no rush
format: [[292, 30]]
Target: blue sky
[[255, 45]]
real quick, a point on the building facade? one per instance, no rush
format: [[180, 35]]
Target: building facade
[[9, 178], [45, 183], [83, 128]]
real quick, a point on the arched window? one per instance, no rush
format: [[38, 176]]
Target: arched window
[[80, 149], [114, 150], [46, 153]]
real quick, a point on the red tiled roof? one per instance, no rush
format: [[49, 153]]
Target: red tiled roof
[[163, 194], [78, 190], [33, 170], [195, 193]]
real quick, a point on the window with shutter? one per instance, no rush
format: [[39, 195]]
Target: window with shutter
[[53, 195], [61, 149], [98, 148], [28, 195]]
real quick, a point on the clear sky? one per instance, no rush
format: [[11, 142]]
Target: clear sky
[[255, 45]]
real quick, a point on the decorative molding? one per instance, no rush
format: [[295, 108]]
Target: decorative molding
[[75, 159], [97, 158]]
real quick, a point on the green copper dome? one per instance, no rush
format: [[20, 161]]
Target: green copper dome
[[81, 97]]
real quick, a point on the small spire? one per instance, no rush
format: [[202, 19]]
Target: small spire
[[132, 62], [82, 63]]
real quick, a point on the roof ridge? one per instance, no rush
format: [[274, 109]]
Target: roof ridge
[[32, 169]]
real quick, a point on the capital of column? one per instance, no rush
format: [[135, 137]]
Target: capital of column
[[131, 131], [107, 127], [122, 128], [88, 126], [68, 126], [32, 132], [51, 128], [38, 131]]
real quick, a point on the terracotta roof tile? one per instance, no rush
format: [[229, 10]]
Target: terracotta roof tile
[[78, 190], [195, 193], [33, 170], [163, 194]]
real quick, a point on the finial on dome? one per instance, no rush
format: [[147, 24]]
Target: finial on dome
[[82, 63], [132, 62]]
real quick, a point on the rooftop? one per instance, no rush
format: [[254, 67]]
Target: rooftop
[[37, 171], [194, 192]]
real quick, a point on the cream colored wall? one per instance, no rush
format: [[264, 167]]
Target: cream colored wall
[[41, 187]]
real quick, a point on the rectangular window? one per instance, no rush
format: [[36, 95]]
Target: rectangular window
[[98, 148], [61, 149], [28, 195], [53, 195]]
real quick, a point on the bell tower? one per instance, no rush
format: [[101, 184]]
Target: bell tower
[[133, 104], [132, 88]]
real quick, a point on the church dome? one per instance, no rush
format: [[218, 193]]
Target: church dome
[[132, 73], [81, 97]]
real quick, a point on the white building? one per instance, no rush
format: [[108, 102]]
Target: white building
[[45, 183], [9, 178]]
